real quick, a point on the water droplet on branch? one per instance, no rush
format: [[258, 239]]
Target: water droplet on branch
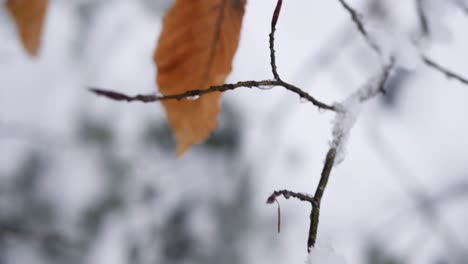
[[267, 87], [192, 98]]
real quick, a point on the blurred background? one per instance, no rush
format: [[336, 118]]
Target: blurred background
[[88, 180]]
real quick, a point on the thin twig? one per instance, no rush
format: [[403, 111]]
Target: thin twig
[[217, 88], [450, 74], [425, 29], [193, 94], [274, 20], [380, 88], [279, 216], [315, 213], [356, 17], [288, 194], [423, 22], [386, 73]]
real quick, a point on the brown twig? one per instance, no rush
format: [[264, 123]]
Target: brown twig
[[315, 213], [279, 216], [288, 194], [361, 96], [274, 20], [369, 91], [192, 94], [189, 95]]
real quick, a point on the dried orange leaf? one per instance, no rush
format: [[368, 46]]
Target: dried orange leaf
[[29, 18], [195, 50]]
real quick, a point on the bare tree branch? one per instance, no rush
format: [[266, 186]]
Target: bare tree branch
[[423, 22], [190, 95], [288, 194], [358, 20], [315, 213], [448, 73], [369, 91], [356, 17], [274, 21]]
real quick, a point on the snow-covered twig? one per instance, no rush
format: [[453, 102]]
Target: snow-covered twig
[[346, 116], [349, 109]]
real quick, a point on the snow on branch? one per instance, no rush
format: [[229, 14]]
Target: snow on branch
[[346, 115], [349, 109]]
